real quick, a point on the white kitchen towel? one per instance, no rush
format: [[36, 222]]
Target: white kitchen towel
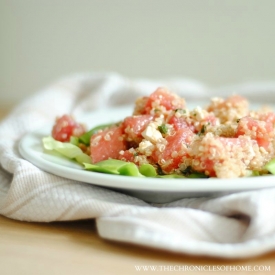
[[230, 226]]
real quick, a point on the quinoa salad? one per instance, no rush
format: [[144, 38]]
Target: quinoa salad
[[164, 138]]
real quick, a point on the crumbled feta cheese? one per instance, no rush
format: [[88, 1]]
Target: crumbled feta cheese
[[200, 114], [146, 147], [152, 134]]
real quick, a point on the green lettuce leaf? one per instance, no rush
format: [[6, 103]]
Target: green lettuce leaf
[[66, 149], [270, 166], [114, 166], [147, 170]]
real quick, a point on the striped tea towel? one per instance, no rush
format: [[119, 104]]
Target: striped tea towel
[[230, 226]]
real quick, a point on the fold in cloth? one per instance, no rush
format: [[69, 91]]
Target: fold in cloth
[[231, 226]]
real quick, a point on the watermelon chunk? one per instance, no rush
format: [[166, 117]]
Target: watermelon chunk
[[107, 144]]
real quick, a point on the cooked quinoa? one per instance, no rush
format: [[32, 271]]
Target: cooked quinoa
[[225, 139]]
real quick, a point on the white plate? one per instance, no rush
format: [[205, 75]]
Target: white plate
[[149, 189]]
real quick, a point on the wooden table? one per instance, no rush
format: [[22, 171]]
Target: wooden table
[[75, 248]]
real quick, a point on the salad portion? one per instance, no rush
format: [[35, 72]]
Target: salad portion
[[165, 138]]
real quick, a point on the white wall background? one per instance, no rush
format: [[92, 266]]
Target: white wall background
[[216, 41]]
